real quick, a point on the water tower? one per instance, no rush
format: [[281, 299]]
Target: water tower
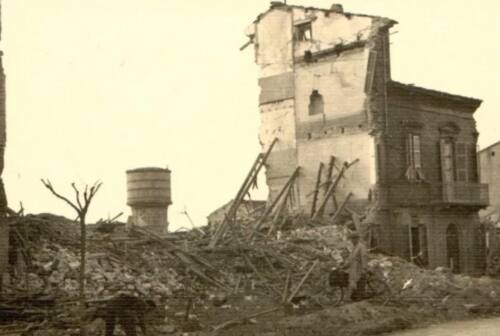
[[148, 195]]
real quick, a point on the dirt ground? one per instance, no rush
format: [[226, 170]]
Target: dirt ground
[[478, 327]]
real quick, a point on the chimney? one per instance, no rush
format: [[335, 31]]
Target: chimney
[[337, 8]]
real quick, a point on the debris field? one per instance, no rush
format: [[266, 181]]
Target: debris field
[[274, 284]]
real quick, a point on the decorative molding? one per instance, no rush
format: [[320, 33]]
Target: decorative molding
[[411, 124], [449, 128]]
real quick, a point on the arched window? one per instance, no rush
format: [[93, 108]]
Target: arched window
[[316, 105]]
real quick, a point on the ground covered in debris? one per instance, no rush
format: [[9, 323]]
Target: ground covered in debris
[[265, 285]]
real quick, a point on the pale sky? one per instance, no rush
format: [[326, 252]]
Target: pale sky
[[97, 87]]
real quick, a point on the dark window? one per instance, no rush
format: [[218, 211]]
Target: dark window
[[472, 168], [414, 157], [316, 105], [303, 32]]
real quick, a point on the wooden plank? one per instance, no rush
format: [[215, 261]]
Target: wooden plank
[[241, 320], [262, 278], [329, 175], [331, 190], [275, 201], [242, 192], [321, 208], [316, 190], [287, 286], [281, 209], [301, 283], [341, 207]]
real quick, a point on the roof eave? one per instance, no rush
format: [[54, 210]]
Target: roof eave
[[470, 102]]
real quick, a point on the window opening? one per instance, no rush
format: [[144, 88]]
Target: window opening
[[303, 32], [316, 105], [414, 157]]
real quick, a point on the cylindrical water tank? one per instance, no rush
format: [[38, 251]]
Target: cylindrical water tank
[[148, 187]]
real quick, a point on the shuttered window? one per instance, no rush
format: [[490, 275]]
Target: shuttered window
[[414, 157], [461, 162], [472, 164]]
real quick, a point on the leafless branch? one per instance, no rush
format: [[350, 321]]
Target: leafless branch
[[49, 186], [77, 195]]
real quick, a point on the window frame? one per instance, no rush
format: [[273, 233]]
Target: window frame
[[301, 31], [413, 147]]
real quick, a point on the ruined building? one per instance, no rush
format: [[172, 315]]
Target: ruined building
[[327, 91], [4, 228], [149, 196]]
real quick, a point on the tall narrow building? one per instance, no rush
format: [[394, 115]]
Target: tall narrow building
[[4, 228], [328, 96]]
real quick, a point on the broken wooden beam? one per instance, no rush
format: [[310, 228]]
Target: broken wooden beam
[[262, 278], [242, 192], [281, 208], [329, 175], [332, 187], [301, 283], [287, 286], [275, 201], [242, 320], [341, 208], [316, 190]]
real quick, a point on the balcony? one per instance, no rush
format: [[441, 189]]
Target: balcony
[[464, 193], [426, 194]]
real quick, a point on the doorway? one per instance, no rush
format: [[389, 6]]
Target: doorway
[[453, 248], [418, 243]]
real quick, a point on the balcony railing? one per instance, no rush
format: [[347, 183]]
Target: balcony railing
[[425, 193]]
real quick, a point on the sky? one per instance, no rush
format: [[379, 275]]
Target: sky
[[98, 87]]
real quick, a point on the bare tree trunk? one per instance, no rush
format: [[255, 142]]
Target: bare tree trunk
[[81, 206], [83, 252]]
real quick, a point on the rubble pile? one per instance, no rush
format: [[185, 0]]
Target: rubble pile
[[281, 267], [408, 282], [55, 262], [439, 287]]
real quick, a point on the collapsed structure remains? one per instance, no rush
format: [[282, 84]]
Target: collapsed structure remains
[[328, 96]]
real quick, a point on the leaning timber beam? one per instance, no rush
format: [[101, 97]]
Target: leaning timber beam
[[330, 192], [244, 189], [276, 200], [341, 208], [316, 190]]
